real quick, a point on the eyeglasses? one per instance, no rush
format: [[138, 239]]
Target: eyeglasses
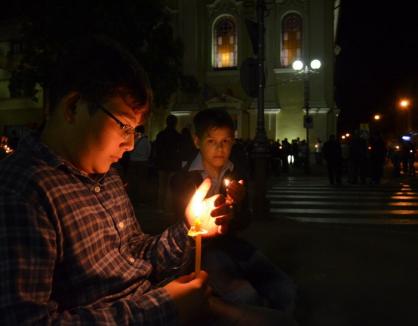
[[128, 131]]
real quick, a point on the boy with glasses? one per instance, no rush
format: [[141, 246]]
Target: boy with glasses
[[71, 249]]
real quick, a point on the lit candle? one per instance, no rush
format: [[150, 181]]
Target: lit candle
[[198, 254], [196, 232], [228, 197]]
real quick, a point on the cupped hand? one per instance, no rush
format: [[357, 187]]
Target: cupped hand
[[235, 192], [213, 213], [190, 294]]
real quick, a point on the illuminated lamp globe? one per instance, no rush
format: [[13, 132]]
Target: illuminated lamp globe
[[315, 64], [297, 65]]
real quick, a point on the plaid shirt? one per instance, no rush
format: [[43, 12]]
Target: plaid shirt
[[72, 251]]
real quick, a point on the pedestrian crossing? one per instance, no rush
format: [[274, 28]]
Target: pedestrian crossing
[[314, 200]]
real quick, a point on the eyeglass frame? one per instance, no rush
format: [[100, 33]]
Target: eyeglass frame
[[127, 129]]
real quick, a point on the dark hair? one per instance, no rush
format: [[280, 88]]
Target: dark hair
[[98, 68], [140, 129], [212, 118], [171, 120]]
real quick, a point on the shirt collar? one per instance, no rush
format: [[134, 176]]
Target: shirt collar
[[197, 165]]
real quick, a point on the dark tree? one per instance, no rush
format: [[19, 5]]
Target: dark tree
[[141, 26]]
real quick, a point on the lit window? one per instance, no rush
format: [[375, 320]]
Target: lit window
[[291, 39], [224, 43]]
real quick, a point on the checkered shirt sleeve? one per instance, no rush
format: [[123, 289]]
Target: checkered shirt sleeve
[[72, 251]]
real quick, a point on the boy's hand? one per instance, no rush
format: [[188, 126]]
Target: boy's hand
[[223, 213], [190, 295], [235, 192]]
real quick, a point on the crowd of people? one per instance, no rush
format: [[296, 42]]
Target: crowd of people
[[358, 159], [361, 158]]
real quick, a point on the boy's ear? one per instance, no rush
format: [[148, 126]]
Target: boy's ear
[[196, 141], [69, 103]]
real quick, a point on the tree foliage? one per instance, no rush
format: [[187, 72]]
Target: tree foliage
[[143, 26]]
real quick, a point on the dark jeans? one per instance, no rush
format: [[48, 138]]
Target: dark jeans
[[334, 172], [240, 274]]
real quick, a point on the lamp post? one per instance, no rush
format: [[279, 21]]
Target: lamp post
[[305, 71], [260, 149], [405, 104]]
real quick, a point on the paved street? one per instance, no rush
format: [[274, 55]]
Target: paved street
[[314, 200], [352, 250]]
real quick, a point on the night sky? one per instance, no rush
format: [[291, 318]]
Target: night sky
[[378, 63]]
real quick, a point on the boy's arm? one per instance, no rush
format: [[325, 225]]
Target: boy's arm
[[29, 250], [169, 252]]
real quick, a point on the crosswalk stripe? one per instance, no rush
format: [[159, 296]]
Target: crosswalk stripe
[[319, 202], [338, 193], [344, 211], [331, 203], [348, 197], [356, 221]]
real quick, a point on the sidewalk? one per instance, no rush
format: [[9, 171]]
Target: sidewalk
[[346, 275]]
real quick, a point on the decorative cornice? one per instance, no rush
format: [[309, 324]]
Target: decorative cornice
[[220, 7], [269, 107], [224, 101], [179, 113], [286, 6], [321, 110]]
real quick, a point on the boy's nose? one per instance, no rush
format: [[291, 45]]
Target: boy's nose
[[129, 143]]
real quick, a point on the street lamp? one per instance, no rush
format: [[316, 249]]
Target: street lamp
[[306, 70]]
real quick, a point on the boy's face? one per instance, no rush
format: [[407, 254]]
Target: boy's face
[[100, 141], [215, 147]]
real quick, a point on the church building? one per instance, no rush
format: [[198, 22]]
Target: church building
[[216, 36]]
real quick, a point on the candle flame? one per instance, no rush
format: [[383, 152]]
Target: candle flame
[[227, 182], [196, 228]]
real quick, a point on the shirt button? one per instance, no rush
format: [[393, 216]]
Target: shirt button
[[131, 260], [97, 189], [121, 225]]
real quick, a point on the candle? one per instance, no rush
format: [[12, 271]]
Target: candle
[[196, 232], [229, 200], [198, 254]]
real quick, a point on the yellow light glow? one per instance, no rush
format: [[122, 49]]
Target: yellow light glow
[[196, 232], [196, 228], [404, 103], [343, 137], [226, 59], [347, 134], [377, 117], [404, 197]]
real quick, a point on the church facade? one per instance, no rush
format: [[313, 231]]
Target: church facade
[[217, 41]]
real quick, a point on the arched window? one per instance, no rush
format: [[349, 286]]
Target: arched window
[[224, 43], [291, 39]]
